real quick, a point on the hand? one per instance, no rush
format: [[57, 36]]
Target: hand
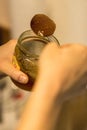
[[6, 66], [63, 66]]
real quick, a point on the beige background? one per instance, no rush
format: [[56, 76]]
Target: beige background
[[70, 17]]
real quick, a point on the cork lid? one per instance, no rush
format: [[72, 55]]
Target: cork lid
[[43, 25]]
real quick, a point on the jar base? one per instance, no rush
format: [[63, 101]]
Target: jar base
[[27, 87]]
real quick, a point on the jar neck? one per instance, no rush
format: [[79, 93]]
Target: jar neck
[[33, 42]]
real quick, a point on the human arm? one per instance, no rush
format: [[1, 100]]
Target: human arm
[[59, 69]]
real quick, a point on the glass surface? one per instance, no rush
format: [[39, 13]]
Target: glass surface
[[27, 52]]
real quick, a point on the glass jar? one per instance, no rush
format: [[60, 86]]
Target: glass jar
[[26, 55]]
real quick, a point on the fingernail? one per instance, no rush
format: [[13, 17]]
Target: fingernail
[[23, 79]]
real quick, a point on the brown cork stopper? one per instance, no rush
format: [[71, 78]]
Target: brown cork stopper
[[42, 24]]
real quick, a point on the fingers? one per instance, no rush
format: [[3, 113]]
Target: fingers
[[15, 74], [6, 65]]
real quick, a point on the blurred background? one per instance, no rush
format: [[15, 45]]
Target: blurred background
[[71, 27]]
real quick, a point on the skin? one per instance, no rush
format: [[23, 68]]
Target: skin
[[6, 66], [60, 68]]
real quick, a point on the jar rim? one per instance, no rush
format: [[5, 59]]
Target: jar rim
[[31, 36]]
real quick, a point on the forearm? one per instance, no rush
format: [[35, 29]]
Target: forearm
[[41, 112], [43, 108]]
